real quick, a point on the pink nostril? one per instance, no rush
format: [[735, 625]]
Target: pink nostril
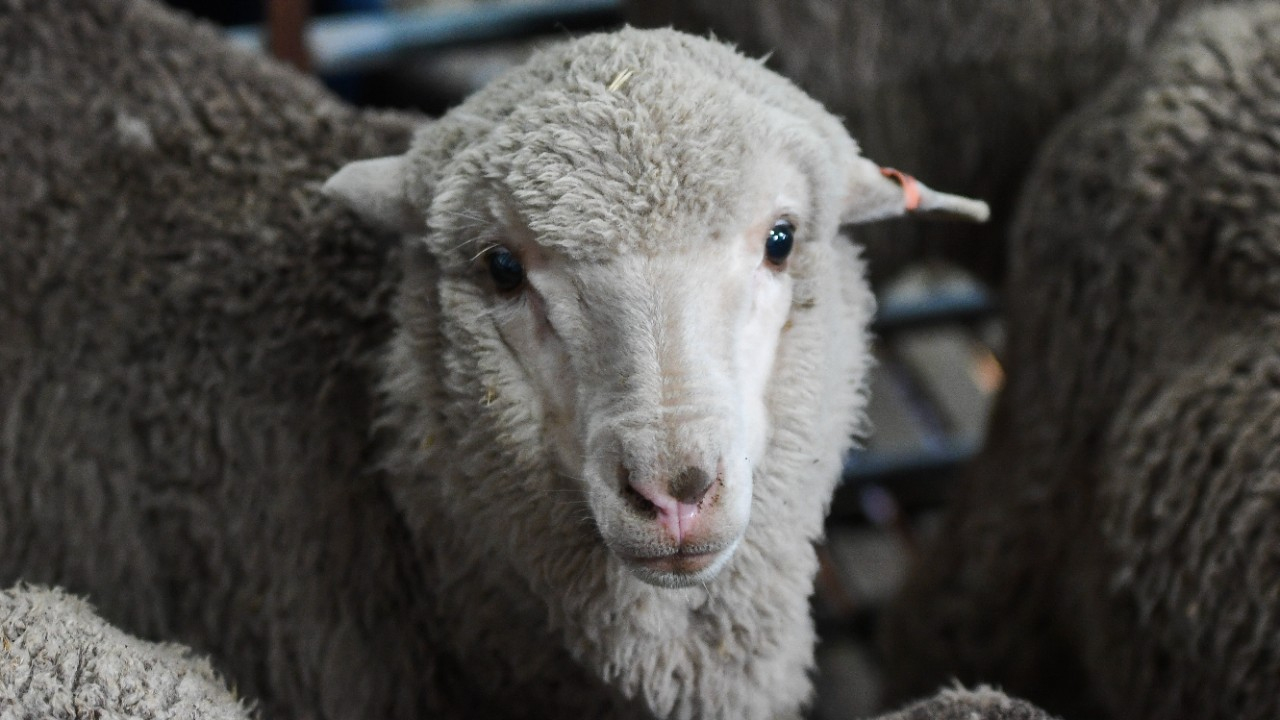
[[676, 506], [638, 500]]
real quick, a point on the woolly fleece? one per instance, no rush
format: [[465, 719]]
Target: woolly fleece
[[963, 92], [1121, 534], [980, 703], [58, 660], [187, 330]]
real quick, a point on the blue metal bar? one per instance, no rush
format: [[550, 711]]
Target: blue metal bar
[[357, 41], [862, 464], [935, 308]]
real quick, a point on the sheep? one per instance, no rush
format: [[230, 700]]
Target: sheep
[[1118, 540], [59, 660], [986, 79], [573, 469]]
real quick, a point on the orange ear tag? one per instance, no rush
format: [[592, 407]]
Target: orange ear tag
[[910, 187]]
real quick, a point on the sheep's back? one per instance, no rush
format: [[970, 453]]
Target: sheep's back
[[185, 331], [1124, 512]]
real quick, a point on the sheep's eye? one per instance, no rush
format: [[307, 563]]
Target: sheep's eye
[[506, 270], [778, 245]]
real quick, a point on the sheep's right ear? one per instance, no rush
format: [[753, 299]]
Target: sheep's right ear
[[875, 193], [374, 189]]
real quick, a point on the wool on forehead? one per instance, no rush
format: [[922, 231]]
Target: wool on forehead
[[637, 140], [614, 170]]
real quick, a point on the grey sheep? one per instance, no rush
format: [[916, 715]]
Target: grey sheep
[[574, 469], [58, 660], [964, 92], [1120, 540]]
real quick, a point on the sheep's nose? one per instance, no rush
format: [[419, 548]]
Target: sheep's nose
[[676, 502], [690, 485]]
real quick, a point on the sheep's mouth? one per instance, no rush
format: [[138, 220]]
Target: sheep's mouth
[[681, 567]]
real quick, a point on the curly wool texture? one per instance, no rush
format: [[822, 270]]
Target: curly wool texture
[[59, 660], [962, 92], [186, 338], [1122, 534], [959, 703]]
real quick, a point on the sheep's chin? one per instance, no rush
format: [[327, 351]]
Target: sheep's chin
[[679, 570]]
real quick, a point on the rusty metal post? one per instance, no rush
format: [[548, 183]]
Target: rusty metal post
[[286, 31]]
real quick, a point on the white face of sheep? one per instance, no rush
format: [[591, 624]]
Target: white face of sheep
[[652, 370], [651, 367]]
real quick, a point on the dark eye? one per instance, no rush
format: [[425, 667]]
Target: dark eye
[[506, 270], [778, 246]]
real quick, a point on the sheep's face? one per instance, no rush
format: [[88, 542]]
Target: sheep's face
[[651, 369], [634, 298]]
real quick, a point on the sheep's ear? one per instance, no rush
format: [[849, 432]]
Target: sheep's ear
[[375, 190], [876, 193]]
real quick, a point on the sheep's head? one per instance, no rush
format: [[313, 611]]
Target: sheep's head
[[622, 237]]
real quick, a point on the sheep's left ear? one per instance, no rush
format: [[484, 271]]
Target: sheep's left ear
[[876, 193], [375, 190]]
